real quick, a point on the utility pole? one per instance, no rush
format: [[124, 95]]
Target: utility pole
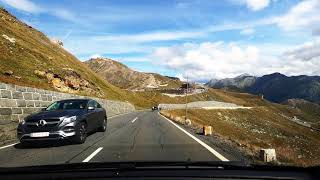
[[187, 98]]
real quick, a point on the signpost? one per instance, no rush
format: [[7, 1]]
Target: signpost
[[187, 98]]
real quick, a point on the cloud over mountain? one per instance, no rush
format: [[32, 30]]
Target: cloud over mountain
[[220, 60]]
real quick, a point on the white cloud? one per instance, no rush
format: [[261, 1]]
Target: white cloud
[[305, 14], [209, 59], [82, 46], [63, 14], [307, 51], [254, 5], [248, 31], [94, 56], [316, 31], [150, 36], [24, 5], [128, 43], [30, 7], [134, 59], [220, 60], [257, 5], [247, 28]]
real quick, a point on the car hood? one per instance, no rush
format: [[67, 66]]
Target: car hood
[[54, 114]]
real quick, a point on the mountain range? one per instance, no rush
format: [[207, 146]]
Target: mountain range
[[275, 87]]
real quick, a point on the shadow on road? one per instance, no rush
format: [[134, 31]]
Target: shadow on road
[[42, 144], [46, 144]]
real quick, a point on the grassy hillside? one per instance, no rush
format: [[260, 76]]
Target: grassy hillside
[[260, 127], [30, 58]]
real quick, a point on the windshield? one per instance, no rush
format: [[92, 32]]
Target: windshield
[[63, 105], [234, 81]]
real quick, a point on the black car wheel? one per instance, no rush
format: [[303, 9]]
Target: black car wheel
[[103, 127], [81, 133]]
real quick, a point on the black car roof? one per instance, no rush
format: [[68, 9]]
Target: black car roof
[[81, 100]]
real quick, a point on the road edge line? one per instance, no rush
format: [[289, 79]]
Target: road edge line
[[210, 149], [3, 147], [92, 154]]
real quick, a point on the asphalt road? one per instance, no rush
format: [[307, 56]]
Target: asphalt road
[[137, 136]]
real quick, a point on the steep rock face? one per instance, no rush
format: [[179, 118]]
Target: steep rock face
[[241, 82], [120, 75]]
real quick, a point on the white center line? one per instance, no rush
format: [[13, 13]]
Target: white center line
[[214, 152], [134, 119], [8, 145], [93, 154]]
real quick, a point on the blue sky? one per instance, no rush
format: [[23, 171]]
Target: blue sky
[[203, 39]]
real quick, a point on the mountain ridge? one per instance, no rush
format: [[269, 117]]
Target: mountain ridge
[[276, 87]]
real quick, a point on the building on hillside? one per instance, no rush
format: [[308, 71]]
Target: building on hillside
[[57, 42], [188, 87]]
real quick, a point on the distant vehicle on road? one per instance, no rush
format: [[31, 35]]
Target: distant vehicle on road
[[154, 108], [67, 119]]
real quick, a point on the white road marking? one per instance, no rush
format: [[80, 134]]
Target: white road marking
[[227, 107], [126, 113], [214, 152], [8, 145], [119, 115], [93, 154], [134, 119]]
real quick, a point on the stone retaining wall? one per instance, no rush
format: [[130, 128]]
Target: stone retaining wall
[[16, 102]]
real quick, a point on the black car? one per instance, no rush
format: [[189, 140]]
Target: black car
[[154, 108], [67, 119]]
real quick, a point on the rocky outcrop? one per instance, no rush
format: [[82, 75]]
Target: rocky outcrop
[[71, 82]]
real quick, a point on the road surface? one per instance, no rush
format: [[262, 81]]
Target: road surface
[[137, 136]]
